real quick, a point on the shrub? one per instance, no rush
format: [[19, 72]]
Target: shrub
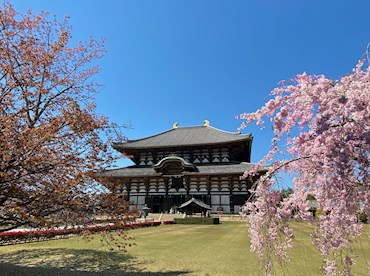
[[363, 217], [197, 220]]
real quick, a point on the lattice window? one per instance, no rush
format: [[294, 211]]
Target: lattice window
[[177, 182]]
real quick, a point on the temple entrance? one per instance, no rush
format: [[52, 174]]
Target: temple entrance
[[155, 208], [177, 200], [155, 203], [162, 203]]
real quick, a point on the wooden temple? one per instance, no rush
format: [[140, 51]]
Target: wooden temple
[[172, 167]]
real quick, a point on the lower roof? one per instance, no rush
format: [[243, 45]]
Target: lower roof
[[214, 169]]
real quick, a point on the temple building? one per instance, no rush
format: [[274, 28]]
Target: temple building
[[200, 162]]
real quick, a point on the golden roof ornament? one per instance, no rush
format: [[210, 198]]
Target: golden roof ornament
[[175, 125], [206, 123]]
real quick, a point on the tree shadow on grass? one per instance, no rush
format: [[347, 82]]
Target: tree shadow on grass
[[63, 262]]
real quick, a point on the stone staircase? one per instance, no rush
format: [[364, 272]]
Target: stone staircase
[[166, 217]]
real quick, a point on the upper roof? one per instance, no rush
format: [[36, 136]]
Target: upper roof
[[185, 136]]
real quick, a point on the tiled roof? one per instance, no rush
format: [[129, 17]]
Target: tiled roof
[[196, 202], [229, 168], [185, 136]]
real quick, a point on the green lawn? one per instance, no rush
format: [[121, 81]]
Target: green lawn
[[167, 250]]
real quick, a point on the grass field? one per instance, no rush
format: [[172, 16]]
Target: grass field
[[167, 250]]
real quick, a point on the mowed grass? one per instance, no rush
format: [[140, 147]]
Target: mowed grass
[[169, 250]]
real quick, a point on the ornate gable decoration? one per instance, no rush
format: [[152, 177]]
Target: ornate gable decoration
[[173, 165]]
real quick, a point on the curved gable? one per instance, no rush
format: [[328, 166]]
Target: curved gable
[[173, 165]]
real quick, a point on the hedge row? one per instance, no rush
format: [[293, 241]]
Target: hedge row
[[197, 220], [13, 237]]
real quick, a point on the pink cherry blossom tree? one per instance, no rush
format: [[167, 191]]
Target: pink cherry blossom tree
[[323, 125]]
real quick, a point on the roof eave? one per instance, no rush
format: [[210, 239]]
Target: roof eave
[[126, 146]]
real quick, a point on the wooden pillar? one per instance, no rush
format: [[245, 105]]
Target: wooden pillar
[[166, 181], [155, 157], [191, 159], [187, 185], [209, 184], [209, 187], [210, 154], [230, 179], [128, 186], [219, 183], [136, 158], [146, 184], [166, 199], [198, 184]]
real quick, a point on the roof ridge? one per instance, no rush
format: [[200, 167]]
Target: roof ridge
[[182, 127], [229, 132], [140, 139], [215, 128], [166, 131], [203, 126]]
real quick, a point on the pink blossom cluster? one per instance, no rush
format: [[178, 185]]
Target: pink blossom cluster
[[324, 126], [271, 235]]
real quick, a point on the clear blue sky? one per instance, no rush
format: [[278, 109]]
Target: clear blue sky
[[186, 61]]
